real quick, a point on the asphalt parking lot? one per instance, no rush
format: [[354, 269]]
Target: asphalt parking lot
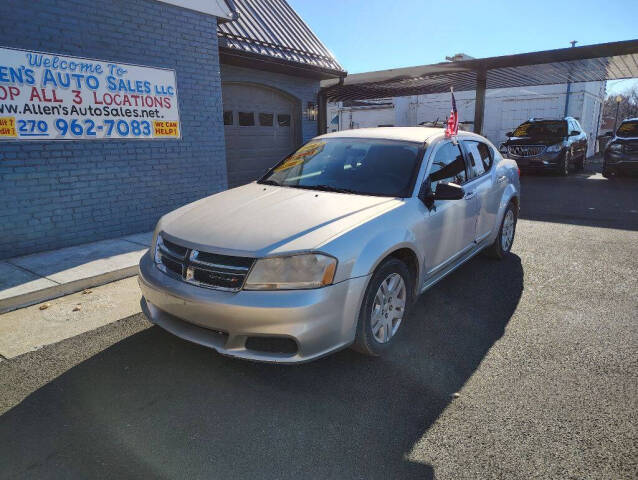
[[541, 347]]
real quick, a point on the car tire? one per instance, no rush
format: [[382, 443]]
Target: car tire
[[606, 173], [500, 248], [369, 332], [563, 167], [580, 165]]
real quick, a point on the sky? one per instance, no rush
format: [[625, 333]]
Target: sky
[[367, 35]]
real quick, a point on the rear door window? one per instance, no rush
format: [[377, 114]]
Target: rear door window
[[572, 126], [448, 165], [480, 157]]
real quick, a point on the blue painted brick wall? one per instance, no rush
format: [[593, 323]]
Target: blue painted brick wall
[[56, 194]]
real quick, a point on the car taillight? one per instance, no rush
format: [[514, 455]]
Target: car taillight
[[519, 172]]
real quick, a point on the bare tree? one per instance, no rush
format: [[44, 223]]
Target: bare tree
[[627, 108]]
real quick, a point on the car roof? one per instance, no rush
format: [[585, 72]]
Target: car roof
[[409, 134], [542, 119]]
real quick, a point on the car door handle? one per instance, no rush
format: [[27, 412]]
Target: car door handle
[[469, 195], [501, 179]]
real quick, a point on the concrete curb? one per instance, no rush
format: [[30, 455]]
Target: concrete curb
[[38, 277], [55, 291]]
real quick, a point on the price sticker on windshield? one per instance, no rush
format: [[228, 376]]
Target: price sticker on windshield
[[307, 151]]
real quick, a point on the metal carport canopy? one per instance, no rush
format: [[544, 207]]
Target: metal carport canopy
[[604, 61]]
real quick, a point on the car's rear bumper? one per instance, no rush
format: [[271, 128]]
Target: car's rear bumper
[[319, 321]]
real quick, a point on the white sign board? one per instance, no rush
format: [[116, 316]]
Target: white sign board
[[53, 97]]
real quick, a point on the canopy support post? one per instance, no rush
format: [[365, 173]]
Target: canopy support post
[[322, 114], [479, 105]]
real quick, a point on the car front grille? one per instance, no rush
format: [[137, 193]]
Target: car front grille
[[526, 150], [204, 269], [631, 147]]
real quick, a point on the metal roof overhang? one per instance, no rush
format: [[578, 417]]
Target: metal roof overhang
[[605, 61], [263, 62], [270, 35]]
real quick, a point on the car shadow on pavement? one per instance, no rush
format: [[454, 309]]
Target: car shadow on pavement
[[155, 406]]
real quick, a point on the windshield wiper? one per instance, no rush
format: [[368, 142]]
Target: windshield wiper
[[326, 188], [270, 182]]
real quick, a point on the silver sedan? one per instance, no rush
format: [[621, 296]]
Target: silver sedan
[[332, 246]]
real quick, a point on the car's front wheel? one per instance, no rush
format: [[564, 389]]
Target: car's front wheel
[[384, 308]]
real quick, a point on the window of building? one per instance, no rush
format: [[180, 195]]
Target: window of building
[[228, 117], [448, 165], [283, 119], [265, 119], [246, 119]]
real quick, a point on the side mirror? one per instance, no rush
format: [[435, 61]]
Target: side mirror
[[448, 191], [444, 191], [509, 134], [426, 195], [574, 133]]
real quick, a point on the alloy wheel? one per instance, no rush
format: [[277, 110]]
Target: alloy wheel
[[507, 234], [388, 308]]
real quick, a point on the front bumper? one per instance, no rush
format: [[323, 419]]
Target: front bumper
[[621, 163], [544, 161], [320, 321]]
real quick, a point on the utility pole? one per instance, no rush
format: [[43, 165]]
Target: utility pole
[[569, 85], [618, 100]]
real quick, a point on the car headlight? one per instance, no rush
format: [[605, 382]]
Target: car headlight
[[555, 148], [154, 245], [157, 256], [615, 147], [308, 270]]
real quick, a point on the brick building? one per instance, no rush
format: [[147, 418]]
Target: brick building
[[247, 74]]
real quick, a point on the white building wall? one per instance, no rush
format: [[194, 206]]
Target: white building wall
[[505, 109], [359, 117]]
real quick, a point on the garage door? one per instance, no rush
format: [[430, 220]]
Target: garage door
[[260, 126]]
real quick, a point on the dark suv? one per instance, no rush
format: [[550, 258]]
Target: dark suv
[[621, 153], [541, 144]]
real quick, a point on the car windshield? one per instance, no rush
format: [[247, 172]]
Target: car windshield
[[544, 128], [628, 129], [350, 165]]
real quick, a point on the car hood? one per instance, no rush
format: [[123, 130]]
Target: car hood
[[534, 140], [259, 220], [633, 141]]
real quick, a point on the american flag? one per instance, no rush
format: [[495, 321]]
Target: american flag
[[453, 122]]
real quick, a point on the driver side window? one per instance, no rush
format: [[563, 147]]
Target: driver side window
[[448, 165]]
